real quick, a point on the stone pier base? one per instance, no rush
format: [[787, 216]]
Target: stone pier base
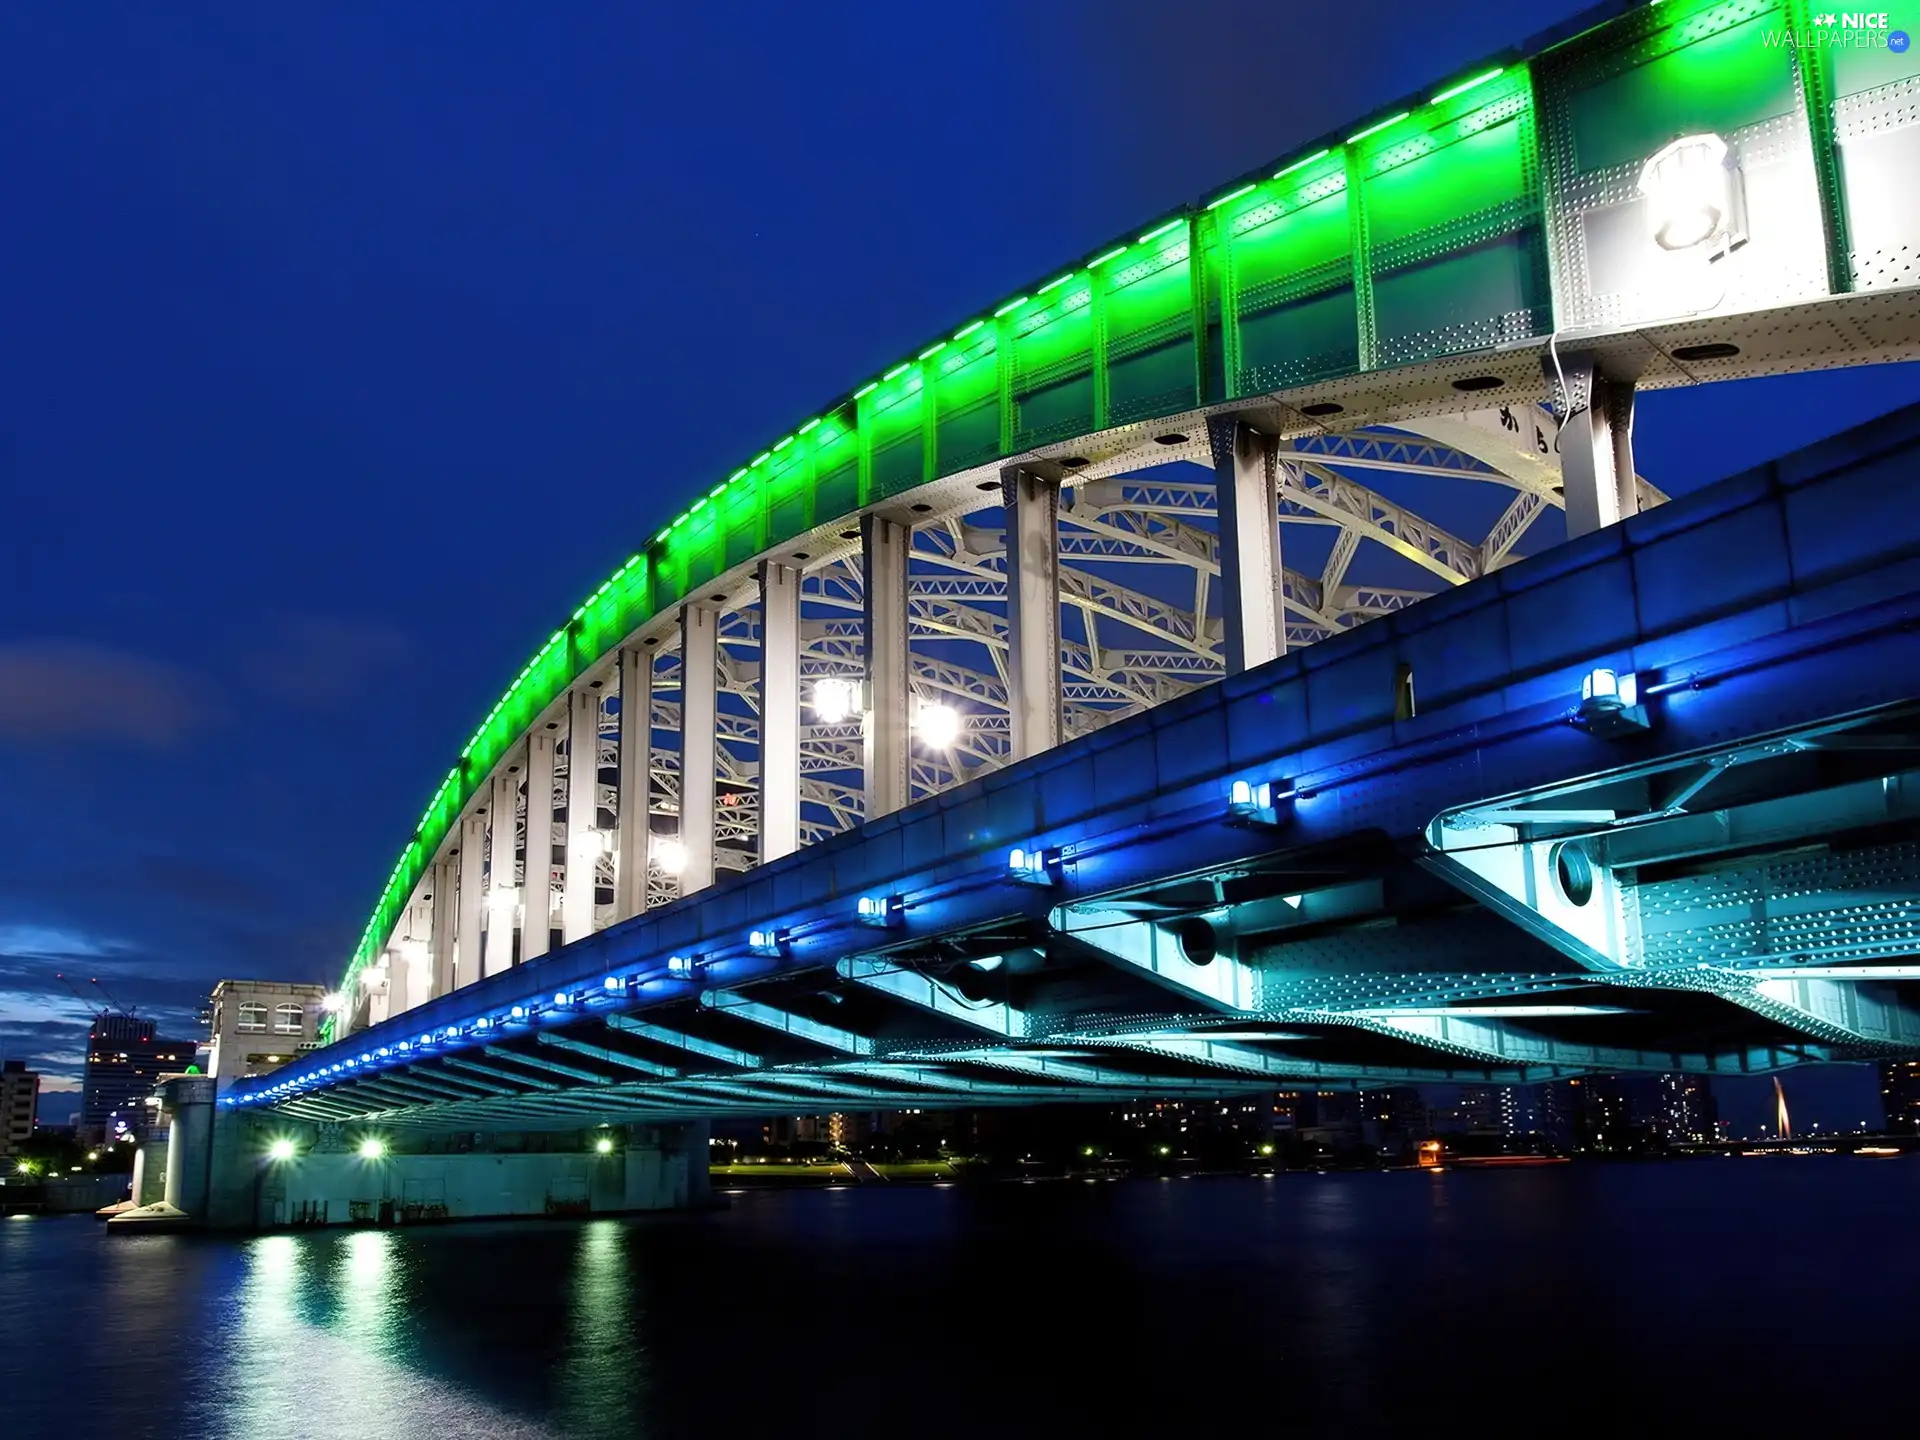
[[427, 1178]]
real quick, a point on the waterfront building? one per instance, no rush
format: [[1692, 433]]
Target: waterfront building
[[1686, 1111], [256, 1026], [1900, 1096], [19, 1101]]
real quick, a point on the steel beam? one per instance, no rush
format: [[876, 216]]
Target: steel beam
[[1223, 983], [473, 896], [832, 1037], [692, 1044], [537, 884], [583, 843], [1250, 570], [885, 546], [636, 781], [924, 993], [699, 723], [1596, 446], [466, 1065], [440, 938], [607, 1056], [503, 878], [779, 696], [1033, 610]]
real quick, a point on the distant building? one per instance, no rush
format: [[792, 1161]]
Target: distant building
[[259, 1025], [1496, 1110], [125, 1060], [1900, 1096], [19, 1100], [1687, 1112]]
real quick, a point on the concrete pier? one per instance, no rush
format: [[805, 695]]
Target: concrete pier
[[229, 1170]]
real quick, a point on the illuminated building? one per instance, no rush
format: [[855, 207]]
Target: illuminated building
[[259, 1025], [1687, 1113], [1900, 1096], [125, 1059], [19, 1098]]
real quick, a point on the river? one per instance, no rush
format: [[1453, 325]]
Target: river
[[1769, 1296]]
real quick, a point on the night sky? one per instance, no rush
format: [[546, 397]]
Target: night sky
[[346, 349]]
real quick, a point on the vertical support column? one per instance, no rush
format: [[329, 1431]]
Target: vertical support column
[[583, 800], [699, 725], [1033, 610], [189, 1103], [412, 965], [473, 896], [1596, 446], [1247, 498], [779, 710], [636, 781], [502, 877], [440, 973], [536, 929], [884, 546]]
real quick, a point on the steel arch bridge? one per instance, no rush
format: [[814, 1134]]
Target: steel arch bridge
[[1205, 445]]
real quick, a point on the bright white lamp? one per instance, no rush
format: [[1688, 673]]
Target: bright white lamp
[[670, 855], [936, 725], [835, 698], [1690, 193]]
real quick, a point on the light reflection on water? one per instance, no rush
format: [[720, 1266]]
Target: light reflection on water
[[1365, 1303], [320, 1348], [602, 1383]]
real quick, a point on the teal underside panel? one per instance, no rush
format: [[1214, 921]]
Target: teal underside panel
[[1152, 382], [1443, 306], [1055, 412], [1299, 343], [971, 437], [1722, 83], [899, 465], [743, 543], [838, 491], [790, 516]]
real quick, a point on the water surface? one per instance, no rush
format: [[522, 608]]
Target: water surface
[[1768, 1296]]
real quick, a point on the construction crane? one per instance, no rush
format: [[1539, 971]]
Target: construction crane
[[113, 1000], [74, 990], [112, 1006]]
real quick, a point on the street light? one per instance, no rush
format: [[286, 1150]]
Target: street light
[[281, 1149], [334, 1002], [670, 855], [1693, 194], [835, 699], [937, 725], [372, 1149], [603, 1145]]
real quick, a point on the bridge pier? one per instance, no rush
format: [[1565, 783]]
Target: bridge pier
[[233, 1170]]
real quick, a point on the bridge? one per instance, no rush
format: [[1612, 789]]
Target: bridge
[[1080, 709]]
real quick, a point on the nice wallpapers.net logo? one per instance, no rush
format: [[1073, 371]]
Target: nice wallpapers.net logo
[[1845, 29]]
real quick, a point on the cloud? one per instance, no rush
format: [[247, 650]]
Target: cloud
[[52, 942], [71, 690], [320, 662]]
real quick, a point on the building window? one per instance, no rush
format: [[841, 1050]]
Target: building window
[[253, 1016], [287, 1019]]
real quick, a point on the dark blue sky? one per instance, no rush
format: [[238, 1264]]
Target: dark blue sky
[[347, 348]]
